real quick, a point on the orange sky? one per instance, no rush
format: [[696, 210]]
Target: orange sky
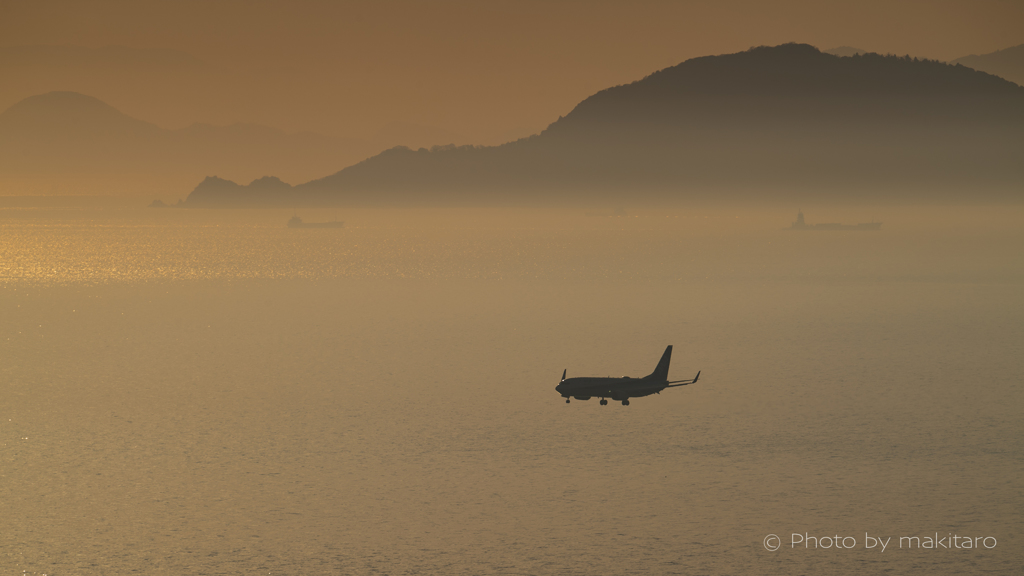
[[485, 71]]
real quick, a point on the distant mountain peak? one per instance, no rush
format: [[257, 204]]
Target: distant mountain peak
[[64, 111], [65, 100]]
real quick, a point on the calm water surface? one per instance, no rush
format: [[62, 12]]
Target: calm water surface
[[209, 392]]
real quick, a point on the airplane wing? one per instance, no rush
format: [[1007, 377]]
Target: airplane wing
[[684, 382], [672, 384]]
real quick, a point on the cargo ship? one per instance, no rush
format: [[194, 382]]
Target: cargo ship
[[297, 222], [863, 227]]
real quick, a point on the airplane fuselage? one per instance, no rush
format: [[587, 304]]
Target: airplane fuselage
[[614, 388]]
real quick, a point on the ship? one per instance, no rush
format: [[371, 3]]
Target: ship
[[862, 227], [297, 222]]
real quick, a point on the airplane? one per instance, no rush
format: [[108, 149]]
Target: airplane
[[621, 388]]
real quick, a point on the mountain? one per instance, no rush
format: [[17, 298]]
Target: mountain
[[1008, 63], [66, 142], [783, 122]]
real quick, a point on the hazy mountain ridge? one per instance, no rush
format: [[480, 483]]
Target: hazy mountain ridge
[[92, 144], [1007, 63], [787, 120]]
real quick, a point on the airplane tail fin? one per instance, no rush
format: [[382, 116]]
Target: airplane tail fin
[[661, 372]]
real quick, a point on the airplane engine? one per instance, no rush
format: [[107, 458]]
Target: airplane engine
[[582, 397]]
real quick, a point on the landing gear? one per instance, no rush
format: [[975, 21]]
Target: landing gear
[[604, 402], [566, 400], [625, 402]]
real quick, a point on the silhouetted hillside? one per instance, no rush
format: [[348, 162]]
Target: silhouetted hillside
[[780, 121], [1008, 63], [845, 51], [214, 191]]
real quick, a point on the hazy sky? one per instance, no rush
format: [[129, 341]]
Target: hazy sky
[[487, 71]]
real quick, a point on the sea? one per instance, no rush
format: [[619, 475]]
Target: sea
[[211, 392]]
